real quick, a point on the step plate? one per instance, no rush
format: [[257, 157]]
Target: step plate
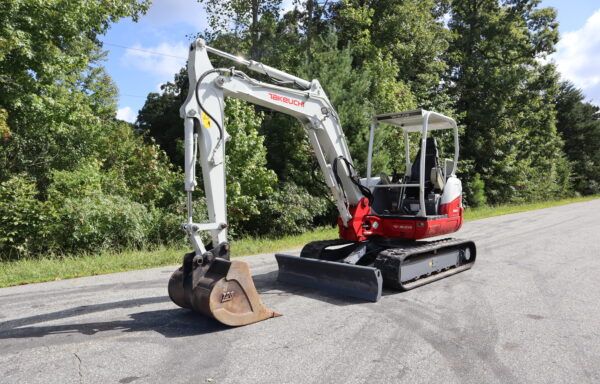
[[333, 277]]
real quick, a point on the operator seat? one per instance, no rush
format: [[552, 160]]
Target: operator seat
[[385, 198], [431, 162]]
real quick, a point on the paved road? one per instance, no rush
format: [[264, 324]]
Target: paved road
[[527, 312]]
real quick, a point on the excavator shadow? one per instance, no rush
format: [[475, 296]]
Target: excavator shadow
[[268, 286], [170, 322]]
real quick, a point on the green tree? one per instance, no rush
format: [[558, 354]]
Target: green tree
[[347, 89], [248, 179], [54, 93], [505, 97], [72, 177], [408, 33], [159, 117], [579, 124], [246, 17]]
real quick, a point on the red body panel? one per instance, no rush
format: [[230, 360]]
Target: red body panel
[[365, 224], [451, 209], [354, 230]]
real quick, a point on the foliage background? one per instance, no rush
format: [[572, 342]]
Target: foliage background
[[74, 179]]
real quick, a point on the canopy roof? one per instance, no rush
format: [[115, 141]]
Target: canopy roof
[[412, 121]]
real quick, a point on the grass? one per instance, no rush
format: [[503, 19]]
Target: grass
[[27, 271], [491, 211]]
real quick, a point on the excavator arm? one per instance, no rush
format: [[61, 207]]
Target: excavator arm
[[207, 281], [206, 136]]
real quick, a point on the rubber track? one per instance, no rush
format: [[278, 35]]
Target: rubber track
[[390, 262]]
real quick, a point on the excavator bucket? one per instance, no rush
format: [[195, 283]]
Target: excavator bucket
[[219, 288]]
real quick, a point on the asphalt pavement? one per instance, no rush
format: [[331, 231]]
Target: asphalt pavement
[[528, 312]]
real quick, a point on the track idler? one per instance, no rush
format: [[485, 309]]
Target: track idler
[[216, 287]]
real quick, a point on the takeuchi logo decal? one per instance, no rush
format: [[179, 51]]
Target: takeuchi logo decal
[[286, 100]]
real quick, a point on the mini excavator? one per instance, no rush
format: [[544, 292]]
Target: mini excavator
[[382, 220]]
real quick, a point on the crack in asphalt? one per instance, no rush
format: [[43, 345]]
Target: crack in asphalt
[[79, 367]]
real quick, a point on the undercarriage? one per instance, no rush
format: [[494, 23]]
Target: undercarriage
[[362, 269]]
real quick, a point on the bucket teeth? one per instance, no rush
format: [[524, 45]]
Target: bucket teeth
[[222, 289]]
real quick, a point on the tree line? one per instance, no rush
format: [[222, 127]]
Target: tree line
[[75, 179]]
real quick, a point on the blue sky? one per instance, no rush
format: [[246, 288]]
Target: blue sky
[[167, 27]]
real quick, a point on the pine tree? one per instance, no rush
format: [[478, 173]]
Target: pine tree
[[505, 97], [579, 124]]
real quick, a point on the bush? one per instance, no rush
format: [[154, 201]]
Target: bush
[[166, 227], [289, 210], [100, 222], [166, 224], [138, 170], [83, 181], [23, 218], [476, 197], [125, 198]]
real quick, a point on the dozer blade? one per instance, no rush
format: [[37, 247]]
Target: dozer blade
[[223, 290], [334, 277]]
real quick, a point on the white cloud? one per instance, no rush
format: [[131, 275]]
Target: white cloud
[[578, 56], [126, 114], [163, 60], [169, 12]]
